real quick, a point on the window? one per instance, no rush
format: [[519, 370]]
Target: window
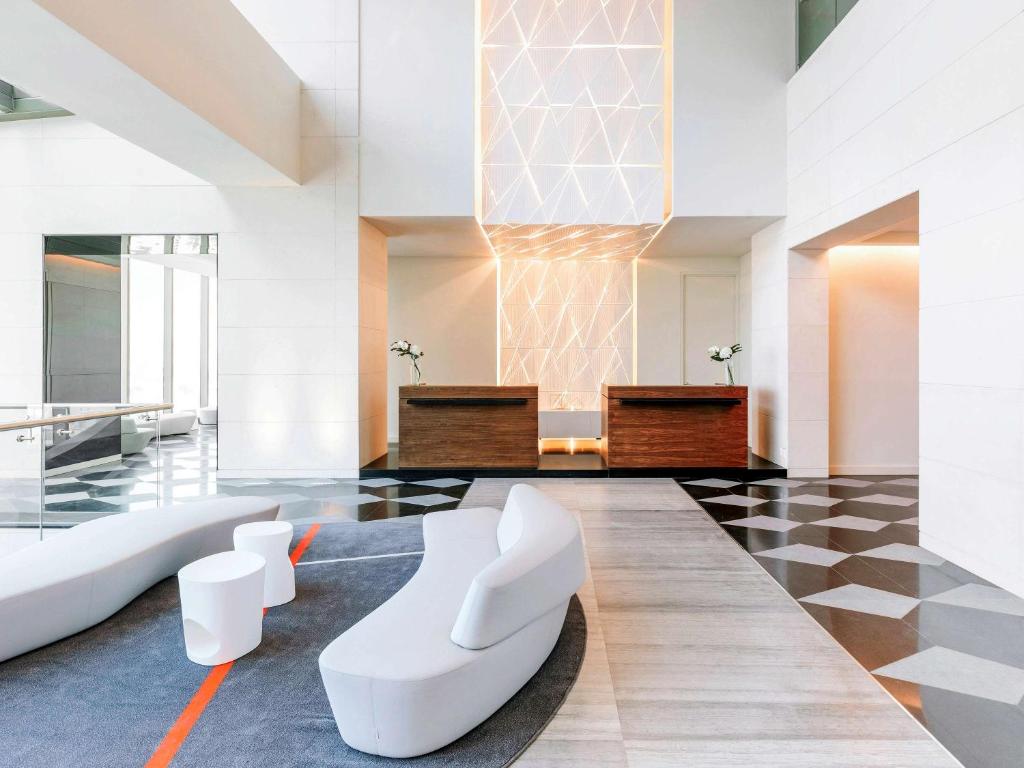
[[815, 21], [145, 332], [187, 347]]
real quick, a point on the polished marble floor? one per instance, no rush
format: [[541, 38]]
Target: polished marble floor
[[948, 645], [184, 468]]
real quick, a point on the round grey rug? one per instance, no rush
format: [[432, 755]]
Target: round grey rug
[[107, 696]]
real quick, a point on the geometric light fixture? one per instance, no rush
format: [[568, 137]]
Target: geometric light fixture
[[573, 182]]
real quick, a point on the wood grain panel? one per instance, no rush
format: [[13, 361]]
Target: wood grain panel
[[674, 426], [493, 426]]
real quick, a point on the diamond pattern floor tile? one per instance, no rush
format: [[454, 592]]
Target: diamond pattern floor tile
[[852, 522], [779, 482], [856, 597], [353, 500], [884, 498], [765, 523], [804, 553], [907, 553], [983, 598], [811, 500], [442, 482], [952, 670], [847, 482], [910, 482], [736, 501], [378, 482], [427, 500], [909, 521], [712, 482]]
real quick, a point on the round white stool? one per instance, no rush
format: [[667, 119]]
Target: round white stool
[[222, 606], [270, 539]]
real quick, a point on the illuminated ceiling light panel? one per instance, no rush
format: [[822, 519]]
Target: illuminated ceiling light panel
[[569, 241], [566, 326]]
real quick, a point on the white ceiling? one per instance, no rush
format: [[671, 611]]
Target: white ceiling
[[462, 236]]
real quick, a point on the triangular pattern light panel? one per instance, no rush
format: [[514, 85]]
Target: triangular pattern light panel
[[572, 112], [566, 326]]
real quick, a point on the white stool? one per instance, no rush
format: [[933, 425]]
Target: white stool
[[222, 606], [270, 539]]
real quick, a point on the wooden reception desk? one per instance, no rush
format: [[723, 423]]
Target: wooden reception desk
[[673, 426], [478, 426]]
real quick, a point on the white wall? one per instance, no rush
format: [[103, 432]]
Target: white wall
[[449, 307], [288, 263], [873, 376], [418, 108], [928, 96], [732, 59], [660, 314]]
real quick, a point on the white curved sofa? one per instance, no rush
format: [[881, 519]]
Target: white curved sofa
[[176, 423], [208, 415], [80, 577], [470, 628], [134, 438]]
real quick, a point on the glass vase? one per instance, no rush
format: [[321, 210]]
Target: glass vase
[[729, 379], [414, 373]]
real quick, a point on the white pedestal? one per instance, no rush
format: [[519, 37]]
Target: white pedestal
[[270, 540], [222, 606]]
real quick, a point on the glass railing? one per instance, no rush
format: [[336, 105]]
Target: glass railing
[[815, 21], [63, 464]]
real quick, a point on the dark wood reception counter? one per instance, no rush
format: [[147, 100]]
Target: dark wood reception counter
[[673, 426], [467, 426]]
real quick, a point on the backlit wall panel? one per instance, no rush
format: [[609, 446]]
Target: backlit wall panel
[[572, 181], [566, 326]]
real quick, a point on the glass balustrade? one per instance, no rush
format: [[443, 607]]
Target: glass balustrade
[[73, 462]]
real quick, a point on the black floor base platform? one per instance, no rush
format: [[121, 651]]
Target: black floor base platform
[[564, 465]]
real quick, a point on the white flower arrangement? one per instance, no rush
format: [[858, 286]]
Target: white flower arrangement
[[725, 355], [404, 349]]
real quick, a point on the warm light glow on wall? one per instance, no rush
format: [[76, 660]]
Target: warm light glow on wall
[[572, 182]]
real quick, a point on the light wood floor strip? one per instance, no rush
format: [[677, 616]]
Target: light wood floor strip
[[697, 658]]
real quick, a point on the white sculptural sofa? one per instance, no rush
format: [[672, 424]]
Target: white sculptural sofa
[[134, 438], [176, 423], [470, 628], [82, 576], [208, 415]]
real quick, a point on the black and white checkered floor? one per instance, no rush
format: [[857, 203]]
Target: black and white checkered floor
[[948, 645], [185, 470]]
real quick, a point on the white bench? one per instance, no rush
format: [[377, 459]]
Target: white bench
[[134, 439], [470, 628], [82, 576], [176, 423]]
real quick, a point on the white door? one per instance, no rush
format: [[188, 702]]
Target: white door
[[709, 319]]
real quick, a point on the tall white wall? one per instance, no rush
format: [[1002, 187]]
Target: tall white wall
[[731, 62], [659, 314], [288, 373], [928, 96], [873, 376], [449, 307], [418, 108]]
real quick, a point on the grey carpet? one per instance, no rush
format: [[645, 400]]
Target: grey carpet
[[106, 696]]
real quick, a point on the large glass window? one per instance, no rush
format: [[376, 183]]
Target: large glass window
[[212, 344], [816, 19], [187, 347], [145, 332]]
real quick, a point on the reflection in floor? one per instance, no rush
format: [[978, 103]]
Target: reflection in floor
[[185, 469], [945, 643]]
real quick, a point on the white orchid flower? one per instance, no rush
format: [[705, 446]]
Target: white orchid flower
[[415, 349], [712, 351], [725, 353]]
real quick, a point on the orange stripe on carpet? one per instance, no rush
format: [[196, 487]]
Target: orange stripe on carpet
[[176, 735]]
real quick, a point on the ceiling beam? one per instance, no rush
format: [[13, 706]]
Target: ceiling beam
[[190, 81]]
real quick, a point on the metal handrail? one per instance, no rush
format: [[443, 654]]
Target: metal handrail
[[9, 426]]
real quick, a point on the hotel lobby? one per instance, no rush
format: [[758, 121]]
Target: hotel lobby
[[477, 383]]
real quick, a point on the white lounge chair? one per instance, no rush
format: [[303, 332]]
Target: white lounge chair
[[470, 628], [208, 415], [80, 577], [134, 438]]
